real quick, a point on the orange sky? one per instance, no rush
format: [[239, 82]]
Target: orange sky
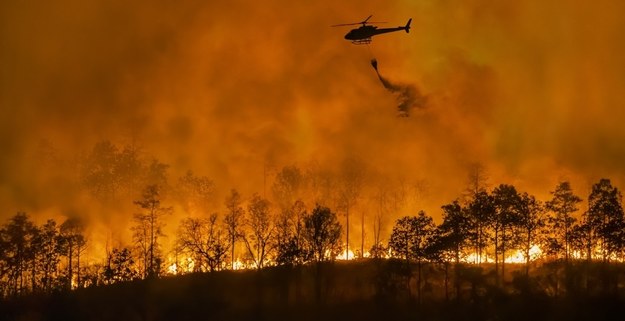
[[533, 89]]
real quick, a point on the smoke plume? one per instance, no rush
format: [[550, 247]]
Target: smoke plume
[[235, 90]]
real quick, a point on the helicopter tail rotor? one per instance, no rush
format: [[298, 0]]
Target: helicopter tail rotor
[[407, 27]]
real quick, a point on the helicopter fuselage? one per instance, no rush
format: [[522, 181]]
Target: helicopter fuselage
[[368, 32], [364, 33]]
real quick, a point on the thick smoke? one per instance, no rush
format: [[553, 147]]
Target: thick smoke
[[234, 90], [408, 95]]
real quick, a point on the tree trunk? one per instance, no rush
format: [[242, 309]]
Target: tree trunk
[[362, 235], [446, 281], [566, 240], [32, 275], [232, 252], [503, 255], [419, 281], [151, 269], [70, 273], [478, 248], [527, 254], [347, 233], [78, 267], [456, 274], [497, 256]]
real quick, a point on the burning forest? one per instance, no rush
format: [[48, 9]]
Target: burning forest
[[241, 160]]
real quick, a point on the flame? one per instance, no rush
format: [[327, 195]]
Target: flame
[[239, 265], [181, 265], [172, 269], [517, 256], [350, 255]]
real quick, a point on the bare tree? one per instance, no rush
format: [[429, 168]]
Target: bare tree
[[204, 241], [74, 241], [148, 229], [352, 181], [233, 220], [389, 197], [477, 181], [258, 242]]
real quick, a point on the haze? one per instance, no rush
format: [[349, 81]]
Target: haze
[[234, 90]]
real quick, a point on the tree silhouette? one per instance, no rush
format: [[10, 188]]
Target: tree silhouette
[[409, 239], [506, 201], [258, 242], [49, 244], [481, 213], [148, 229], [531, 222], [289, 238], [454, 232], [74, 242], [562, 205], [322, 234], [204, 241], [17, 239], [352, 180], [120, 267], [456, 227], [288, 183], [402, 237], [233, 219], [476, 181], [441, 249], [605, 217]]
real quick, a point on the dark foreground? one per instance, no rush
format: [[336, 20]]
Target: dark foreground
[[366, 290]]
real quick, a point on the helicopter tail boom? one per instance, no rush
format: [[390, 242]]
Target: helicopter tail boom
[[407, 27]]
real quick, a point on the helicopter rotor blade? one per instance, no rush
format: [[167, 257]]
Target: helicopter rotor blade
[[345, 24], [364, 22]]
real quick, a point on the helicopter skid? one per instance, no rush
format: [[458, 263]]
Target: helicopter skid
[[364, 41]]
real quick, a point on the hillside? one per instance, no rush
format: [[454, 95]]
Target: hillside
[[356, 290]]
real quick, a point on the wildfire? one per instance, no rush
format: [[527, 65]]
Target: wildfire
[[239, 265], [349, 255], [180, 265], [517, 256]]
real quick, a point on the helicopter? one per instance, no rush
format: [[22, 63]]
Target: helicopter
[[363, 34]]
